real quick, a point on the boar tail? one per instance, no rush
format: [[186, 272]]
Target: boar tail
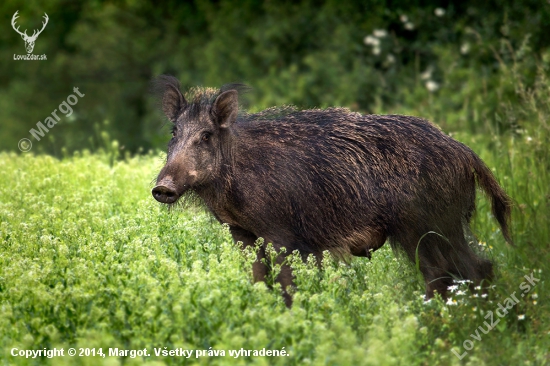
[[501, 203]]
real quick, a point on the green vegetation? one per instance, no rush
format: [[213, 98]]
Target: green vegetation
[[88, 259]]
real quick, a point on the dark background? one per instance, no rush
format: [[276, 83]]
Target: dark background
[[307, 53]]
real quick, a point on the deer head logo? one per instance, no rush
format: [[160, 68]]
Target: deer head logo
[[29, 41]]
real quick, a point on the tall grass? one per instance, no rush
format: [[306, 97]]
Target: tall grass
[[88, 259]]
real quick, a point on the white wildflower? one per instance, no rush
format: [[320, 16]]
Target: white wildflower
[[535, 296], [403, 18], [370, 40], [439, 12], [521, 316], [380, 33], [465, 48], [426, 74], [376, 50], [432, 86], [390, 59], [451, 301], [452, 288], [409, 26]]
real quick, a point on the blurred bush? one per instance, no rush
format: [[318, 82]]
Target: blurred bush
[[443, 60]]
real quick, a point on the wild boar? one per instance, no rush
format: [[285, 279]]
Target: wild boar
[[331, 179]]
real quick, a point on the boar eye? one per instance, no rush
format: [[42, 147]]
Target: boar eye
[[174, 131], [205, 136]]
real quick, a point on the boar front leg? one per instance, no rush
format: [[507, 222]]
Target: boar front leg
[[259, 269], [285, 276], [286, 279]]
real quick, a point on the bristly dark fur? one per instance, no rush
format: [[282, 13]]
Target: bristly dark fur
[[315, 180], [197, 97], [189, 200]]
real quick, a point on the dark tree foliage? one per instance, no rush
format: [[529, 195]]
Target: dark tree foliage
[[307, 53]]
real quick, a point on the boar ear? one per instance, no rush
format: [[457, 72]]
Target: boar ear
[[172, 102], [226, 108], [166, 89]]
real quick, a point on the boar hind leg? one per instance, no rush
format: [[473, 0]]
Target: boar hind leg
[[460, 261], [445, 257], [467, 265], [259, 269], [425, 251]]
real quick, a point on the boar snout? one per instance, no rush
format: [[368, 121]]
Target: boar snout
[[165, 192]]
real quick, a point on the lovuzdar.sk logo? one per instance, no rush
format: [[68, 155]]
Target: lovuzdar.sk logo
[[29, 40]]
